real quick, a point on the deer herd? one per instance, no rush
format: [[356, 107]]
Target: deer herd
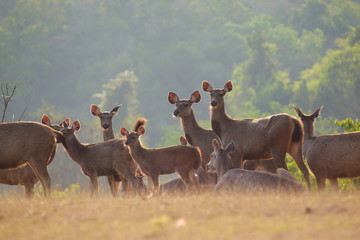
[[244, 155]]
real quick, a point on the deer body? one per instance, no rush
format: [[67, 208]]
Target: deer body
[[246, 180], [157, 161], [101, 159], [255, 139], [330, 156], [28, 142], [108, 134]]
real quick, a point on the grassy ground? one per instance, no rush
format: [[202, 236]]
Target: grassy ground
[[204, 216]]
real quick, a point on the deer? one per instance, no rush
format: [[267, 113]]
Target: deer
[[108, 134], [32, 143], [194, 133], [330, 156], [107, 158], [263, 138], [206, 179], [167, 160], [24, 175], [235, 179]]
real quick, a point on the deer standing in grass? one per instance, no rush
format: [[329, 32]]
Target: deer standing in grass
[[102, 159], [254, 139], [157, 161], [206, 179], [28, 142], [108, 134], [330, 156], [246, 180], [24, 175], [194, 133]]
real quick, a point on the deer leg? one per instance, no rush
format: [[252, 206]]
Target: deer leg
[[155, 180], [320, 181], [194, 180], [112, 185], [334, 184], [43, 175], [94, 185], [279, 157], [296, 153], [29, 191]]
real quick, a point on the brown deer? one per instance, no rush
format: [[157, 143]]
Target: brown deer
[[108, 134], [24, 175], [235, 179], [28, 142], [194, 133], [206, 179], [254, 139], [102, 159], [330, 156], [157, 161]]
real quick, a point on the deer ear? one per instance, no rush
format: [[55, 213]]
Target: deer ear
[[317, 112], [124, 132], [115, 110], [298, 111], [76, 125], [228, 86], [195, 97], [45, 120], [206, 86], [183, 141], [173, 98], [141, 130], [95, 110], [215, 144], [67, 121], [230, 147]]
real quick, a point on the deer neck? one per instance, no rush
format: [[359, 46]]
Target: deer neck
[[308, 130], [190, 127], [75, 148], [219, 119], [137, 152], [108, 133]]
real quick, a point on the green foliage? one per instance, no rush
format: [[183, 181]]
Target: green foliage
[[348, 124]]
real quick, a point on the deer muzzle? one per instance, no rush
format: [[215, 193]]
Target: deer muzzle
[[176, 113], [213, 103], [106, 126]]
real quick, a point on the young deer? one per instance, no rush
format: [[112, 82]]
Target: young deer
[[245, 180], [101, 159], [157, 161], [108, 134], [194, 133], [206, 179], [263, 138], [330, 156], [28, 142]]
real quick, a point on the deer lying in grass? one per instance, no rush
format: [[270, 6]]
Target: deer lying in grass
[[24, 175], [102, 159], [254, 139], [108, 134], [28, 142], [245, 180], [157, 161], [206, 179], [330, 156]]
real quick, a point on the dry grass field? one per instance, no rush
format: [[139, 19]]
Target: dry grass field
[[204, 216]]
